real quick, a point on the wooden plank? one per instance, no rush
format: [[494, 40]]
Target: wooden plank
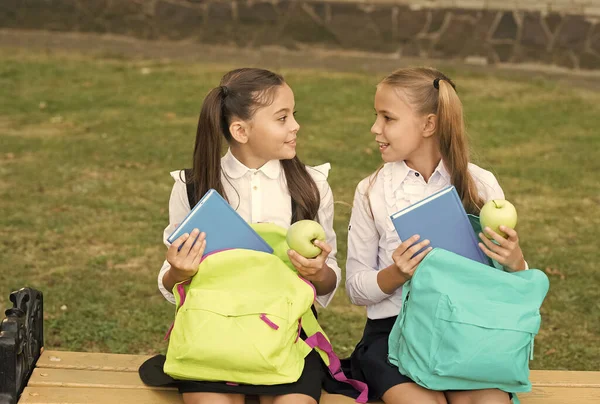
[[75, 395], [114, 372], [48, 377], [561, 395], [90, 361], [565, 378]]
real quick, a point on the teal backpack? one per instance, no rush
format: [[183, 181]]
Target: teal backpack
[[467, 326]]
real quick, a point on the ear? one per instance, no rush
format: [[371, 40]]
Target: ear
[[430, 125], [239, 131]]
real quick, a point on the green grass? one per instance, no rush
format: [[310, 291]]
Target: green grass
[[87, 144]]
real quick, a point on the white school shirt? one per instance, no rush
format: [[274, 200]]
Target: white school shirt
[[258, 195], [373, 239]]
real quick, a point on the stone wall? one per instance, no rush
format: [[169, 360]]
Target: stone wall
[[552, 32]]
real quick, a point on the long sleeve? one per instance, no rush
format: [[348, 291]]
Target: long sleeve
[[362, 261], [325, 216], [178, 209]]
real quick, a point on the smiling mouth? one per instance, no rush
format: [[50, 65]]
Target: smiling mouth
[[383, 146], [291, 142]]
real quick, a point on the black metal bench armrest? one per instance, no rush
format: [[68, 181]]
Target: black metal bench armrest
[[21, 342]]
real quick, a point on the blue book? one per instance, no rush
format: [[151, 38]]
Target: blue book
[[223, 226], [441, 219]]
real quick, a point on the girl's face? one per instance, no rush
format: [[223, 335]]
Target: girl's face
[[272, 130], [398, 129]]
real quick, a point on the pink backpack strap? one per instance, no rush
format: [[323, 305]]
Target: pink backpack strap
[[319, 341], [181, 293]]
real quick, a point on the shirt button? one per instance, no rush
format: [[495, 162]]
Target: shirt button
[[417, 174], [255, 187]]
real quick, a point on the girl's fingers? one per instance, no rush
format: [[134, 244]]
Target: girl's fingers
[[325, 248], [501, 240], [417, 247], [187, 246], [303, 261], [490, 245], [491, 254], [511, 233], [405, 245], [419, 257], [199, 244], [174, 248]]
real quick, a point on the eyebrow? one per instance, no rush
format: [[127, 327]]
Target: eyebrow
[[282, 110], [383, 111]]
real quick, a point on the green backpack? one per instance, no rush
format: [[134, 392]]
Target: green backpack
[[239, 320], [467, 326]]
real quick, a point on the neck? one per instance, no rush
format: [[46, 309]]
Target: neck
[[246, 157], [426, 161]]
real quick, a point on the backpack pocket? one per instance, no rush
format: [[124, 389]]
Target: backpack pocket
[[490, 342], [233, 339]]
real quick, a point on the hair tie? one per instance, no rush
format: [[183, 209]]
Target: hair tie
[[436, 83], [225, 91]]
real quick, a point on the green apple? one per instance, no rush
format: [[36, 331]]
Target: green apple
[[302, 234], [496, 213]]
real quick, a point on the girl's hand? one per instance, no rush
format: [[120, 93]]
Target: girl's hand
[[311, 269], [185, 262], [403, 256], [507, 252]]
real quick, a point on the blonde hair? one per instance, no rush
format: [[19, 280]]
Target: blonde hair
[[429, 91]]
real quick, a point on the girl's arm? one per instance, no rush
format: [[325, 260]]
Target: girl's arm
[[362, 275], [179, 207], [323, 271], [507, 251]]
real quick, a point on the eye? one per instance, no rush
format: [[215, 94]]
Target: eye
[[294, 113], [387, 118], [283, 118]]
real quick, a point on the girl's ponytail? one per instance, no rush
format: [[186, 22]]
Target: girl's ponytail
[[454, 144], [212, 127]]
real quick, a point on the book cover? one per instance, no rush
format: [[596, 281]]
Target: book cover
[[223, 226], [442, 219]]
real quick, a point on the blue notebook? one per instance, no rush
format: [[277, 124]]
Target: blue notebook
[[442, 219], [224, 227]]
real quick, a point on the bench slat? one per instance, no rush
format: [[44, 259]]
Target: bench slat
[[75, 395], [565, 378], [98, 378], [91, 361], [88, 378]]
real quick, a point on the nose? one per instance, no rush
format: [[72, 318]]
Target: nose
[[376, 128], [295, 125]]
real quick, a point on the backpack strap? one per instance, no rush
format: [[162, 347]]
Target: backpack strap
[[190, 187], [319, 341]]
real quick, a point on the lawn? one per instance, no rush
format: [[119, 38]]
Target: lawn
[[87, 144]]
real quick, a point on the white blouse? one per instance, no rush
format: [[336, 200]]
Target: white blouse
[[372, 238], [258, 195]]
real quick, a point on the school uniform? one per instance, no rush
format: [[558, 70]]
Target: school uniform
[[371, 241], [258, 195]]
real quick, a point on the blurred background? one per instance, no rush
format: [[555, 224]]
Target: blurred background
[[99, 100]]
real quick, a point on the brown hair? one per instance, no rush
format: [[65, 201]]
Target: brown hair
[[240, 94], [429, 91]]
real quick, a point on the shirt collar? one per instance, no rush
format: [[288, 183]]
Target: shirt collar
[[236, 169], [400, 171]]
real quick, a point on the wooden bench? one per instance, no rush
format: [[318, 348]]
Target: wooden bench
[[98, 378]]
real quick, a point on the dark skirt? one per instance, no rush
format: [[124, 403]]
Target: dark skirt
[[310, 382], [369, 363]]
